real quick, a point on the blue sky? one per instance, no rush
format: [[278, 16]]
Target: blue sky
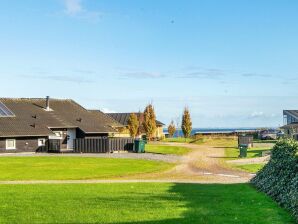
[[233, 63]]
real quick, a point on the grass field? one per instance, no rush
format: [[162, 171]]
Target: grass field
[[179, 139], [219, 141], [146, 203], [252, 168], [233, 152], [70, 168], [222, 142], [166, 149]]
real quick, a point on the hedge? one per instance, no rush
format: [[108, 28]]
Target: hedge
[[279, 178]]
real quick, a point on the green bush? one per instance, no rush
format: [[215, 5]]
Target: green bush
[[279, 178]]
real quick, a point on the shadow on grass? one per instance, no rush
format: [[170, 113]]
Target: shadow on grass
[[258, 153], [158, 153], [215, 203], [197, 141]]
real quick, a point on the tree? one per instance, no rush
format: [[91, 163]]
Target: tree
[[133, 125], [186, 123], [149, 122], [178, 125], [171, 129]]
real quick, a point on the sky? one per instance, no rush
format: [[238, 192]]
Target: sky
[[232, 63]]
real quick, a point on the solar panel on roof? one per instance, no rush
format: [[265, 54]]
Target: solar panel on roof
[[4, 111]]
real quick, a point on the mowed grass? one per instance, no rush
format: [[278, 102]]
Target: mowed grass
[[252, 168], [74, 168], [147, 203], [219, 141], [214, 141], [166, 149], [233, 152], [178, 139]]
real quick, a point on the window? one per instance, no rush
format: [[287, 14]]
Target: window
[[58, 134], [41, 142], [285, 119], [10, 144]]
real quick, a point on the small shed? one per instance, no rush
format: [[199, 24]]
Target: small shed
[[245, 140]]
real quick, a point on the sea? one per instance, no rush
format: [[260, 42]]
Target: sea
[[179, 132]]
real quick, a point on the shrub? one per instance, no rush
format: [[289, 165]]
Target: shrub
[[279, 178]]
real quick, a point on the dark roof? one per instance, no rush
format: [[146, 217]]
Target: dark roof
[[106, 118], [123, 118], [293, 113], [292, 125], [31, 118]]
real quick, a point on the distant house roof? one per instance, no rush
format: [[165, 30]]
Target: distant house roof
[[292, 125], [123, 118], [106, 118], [31, 119], [293, 113]]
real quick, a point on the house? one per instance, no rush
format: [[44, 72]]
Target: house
[[122, 118], [290, 127], [27, 124]]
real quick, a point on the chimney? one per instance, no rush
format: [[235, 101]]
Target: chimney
[[48, 103]]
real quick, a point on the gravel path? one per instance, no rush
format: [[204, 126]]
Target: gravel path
[[206, 162], [257, 160], [124, 155], [264, 145]]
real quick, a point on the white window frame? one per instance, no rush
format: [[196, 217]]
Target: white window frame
[[6, 144], [41, 139], [59, 134], [285, 119]]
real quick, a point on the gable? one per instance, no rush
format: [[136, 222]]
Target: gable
[[31, 118]]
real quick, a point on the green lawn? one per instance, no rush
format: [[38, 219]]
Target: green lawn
[[70, 168], [203, 140], [142, 203], [178, 139], [233, 152], [166, 149], [252, 168]]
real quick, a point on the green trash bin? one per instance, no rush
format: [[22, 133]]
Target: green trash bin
[[139, 146], [243, 151]]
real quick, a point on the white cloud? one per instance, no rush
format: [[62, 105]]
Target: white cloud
[[107, 110], [76, 9], [261, 114], [73, 7], [257, 114], [143, 75], [60, 78]]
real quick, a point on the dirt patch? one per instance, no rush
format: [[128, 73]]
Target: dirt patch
[[206, 163]]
